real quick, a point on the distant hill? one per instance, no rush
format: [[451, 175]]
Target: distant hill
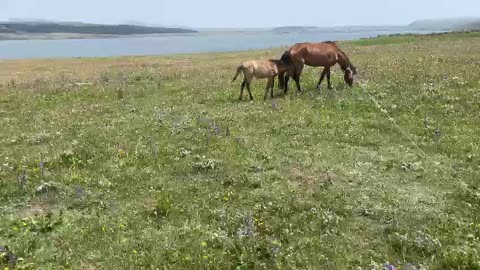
[[286, 29], [449, 24], [338, 29], [472, 26], [6, 30], [82, 28]]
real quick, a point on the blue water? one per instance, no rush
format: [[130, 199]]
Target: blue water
[[169, 43]]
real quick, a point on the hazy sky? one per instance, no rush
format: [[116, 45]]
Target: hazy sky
[[243, 13]]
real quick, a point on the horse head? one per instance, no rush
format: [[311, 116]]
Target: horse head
[[354, 70], [349, 76]]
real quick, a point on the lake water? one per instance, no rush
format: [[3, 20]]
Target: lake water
[[171, 43]]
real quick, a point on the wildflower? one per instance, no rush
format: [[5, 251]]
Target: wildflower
[[80, 192], [185, 152], [22, 179], [274, 104], [248, 228], [426, 122], [275, 249], [389, 266], [204, 244], [217, 130]]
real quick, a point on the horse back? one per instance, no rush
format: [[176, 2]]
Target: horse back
[[317, 54], [261, 68]]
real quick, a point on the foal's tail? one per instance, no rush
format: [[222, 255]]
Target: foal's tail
[[239, 69]]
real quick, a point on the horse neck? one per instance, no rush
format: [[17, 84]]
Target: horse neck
[[343, 60]]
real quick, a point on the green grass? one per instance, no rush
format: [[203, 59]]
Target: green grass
[[415, 38], [385, 40], [156, 164]]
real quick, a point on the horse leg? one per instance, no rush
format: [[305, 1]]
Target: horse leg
[[281, 80], [267, 88], [241, 89], [272, 86], [328, 79], [297, 82], [287, 78], [296, 77], [249, 92], [324, 72]]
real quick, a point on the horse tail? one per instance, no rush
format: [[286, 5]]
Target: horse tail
[[239, 69], [354, 68], [286, 57]]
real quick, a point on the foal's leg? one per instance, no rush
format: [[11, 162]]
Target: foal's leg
[[241, 89], [272, 86], [324, 72], [248, 88], [269, 85]]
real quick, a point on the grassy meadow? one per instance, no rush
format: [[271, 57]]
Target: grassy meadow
[[154, 163]]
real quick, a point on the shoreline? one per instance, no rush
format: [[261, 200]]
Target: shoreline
[[80, 36], [203, 35]]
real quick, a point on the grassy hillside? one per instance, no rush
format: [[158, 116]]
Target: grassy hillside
[[449, 24], [452, 37], [152, 162]]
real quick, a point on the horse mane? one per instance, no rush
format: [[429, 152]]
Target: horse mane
[[331, 42]]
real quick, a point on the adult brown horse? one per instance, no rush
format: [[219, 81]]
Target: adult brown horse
[[324, 54]]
